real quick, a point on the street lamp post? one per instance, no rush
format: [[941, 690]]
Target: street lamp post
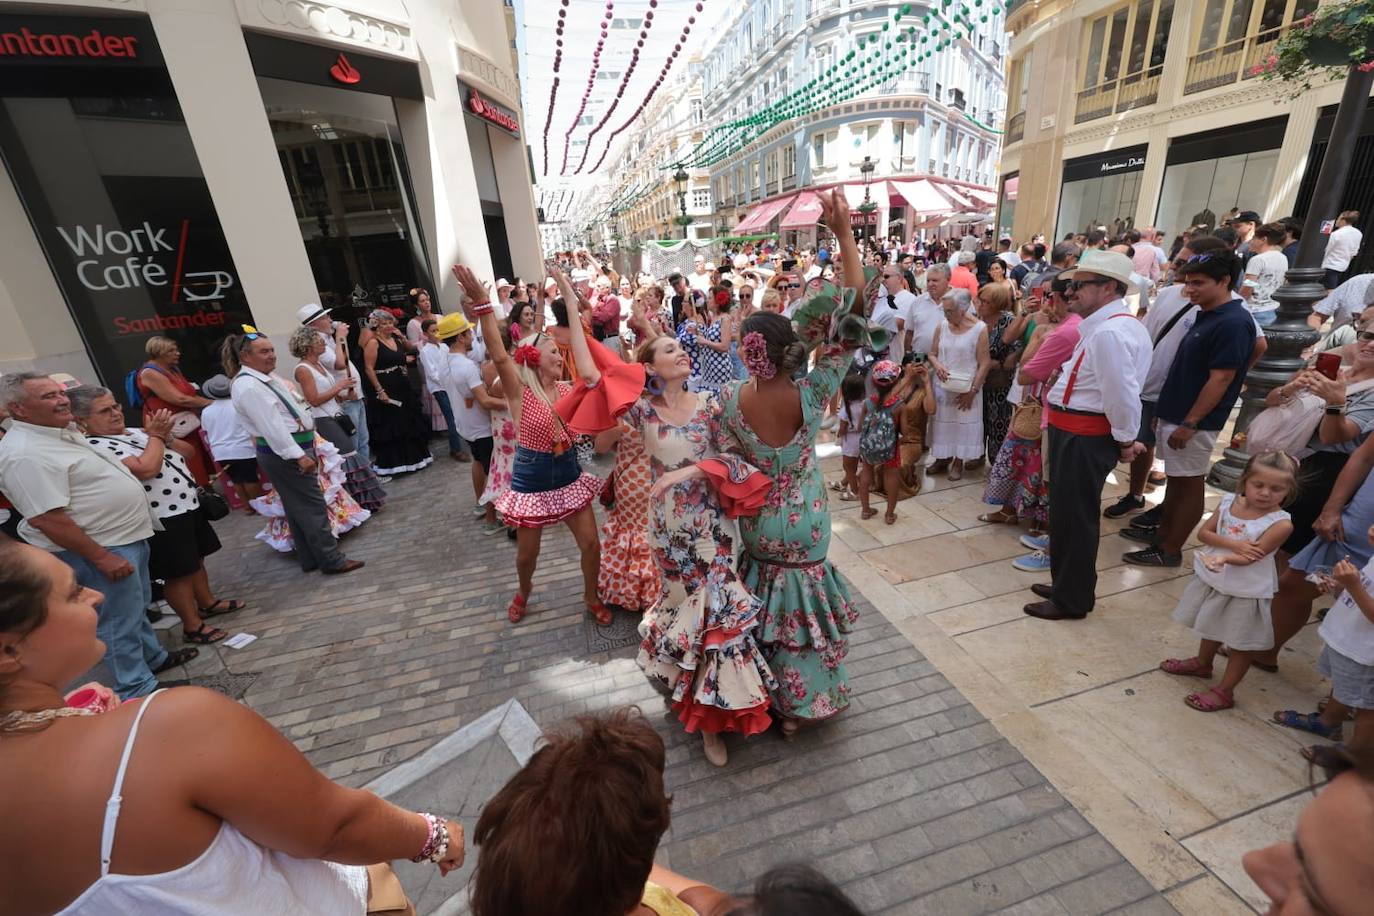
[[1290, 334], [681, 176], [868, 206]]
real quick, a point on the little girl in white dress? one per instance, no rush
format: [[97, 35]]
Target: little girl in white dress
[[1234, 579]]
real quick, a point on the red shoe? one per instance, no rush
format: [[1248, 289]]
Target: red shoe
[[600, 613], [516, 611]]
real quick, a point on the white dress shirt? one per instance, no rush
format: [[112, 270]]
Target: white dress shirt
[[256, 399], [1341, 248], [229, 441], [350, 370], [922, 317], [1116, 361], [434, 363], [1345, 301], [43, 468]]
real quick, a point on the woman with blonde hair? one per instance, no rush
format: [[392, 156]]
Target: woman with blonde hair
[[163, 387], [995, 305], [547, 486]]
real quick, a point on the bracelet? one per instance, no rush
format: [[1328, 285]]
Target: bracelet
[[481, 308], [436, 844]]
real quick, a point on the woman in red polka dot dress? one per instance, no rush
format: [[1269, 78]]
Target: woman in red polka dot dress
[[547, 486]]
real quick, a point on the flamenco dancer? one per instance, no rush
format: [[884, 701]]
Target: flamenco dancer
[[546, 486], [699, 645], [772, 422]]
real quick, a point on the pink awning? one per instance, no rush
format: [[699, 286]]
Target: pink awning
[[763, 214], [921, 196], [980, 195], [805, 213]]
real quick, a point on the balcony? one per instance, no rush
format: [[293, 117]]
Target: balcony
[[1134, 90], [907, 84], [1230, 63], [1016, 127]]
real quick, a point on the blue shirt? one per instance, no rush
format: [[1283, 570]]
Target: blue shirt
[[1222, 338]]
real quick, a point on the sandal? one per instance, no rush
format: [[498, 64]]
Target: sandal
[[1326, 756], [890, 518], [230, 606], [1307, 722], [1272, 669], [176, 659], [848, 496], [867, 514], [517, 608], [1000, 517], [600, 613], [1185, 667], [204, 635], [1213, 699], [790, 727]]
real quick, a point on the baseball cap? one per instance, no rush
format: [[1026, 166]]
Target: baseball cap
[[1248, 216], [885, 370]]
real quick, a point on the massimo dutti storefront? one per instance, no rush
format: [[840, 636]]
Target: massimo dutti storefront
[[151, 186]]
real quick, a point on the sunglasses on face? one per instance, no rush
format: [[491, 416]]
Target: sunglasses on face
[[1366, 336], [794, 286], [1079, 284]]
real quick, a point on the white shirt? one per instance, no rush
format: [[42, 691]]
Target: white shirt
[[434, 363], [263, 414], [1116, 361], [327, 359], [886, 317], [700, 281], [1341, 248], [1009, 258], [922, 317], [1345, 301], [1263, 275], [229, 441], [43, 468], [471, 418], [1346, 629]]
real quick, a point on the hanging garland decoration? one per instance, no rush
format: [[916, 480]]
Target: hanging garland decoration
[[591, 82], [653, 89], [624, 80], [557, 64]]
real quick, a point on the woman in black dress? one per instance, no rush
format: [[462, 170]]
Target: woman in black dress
[[397, 427], [995, 310]]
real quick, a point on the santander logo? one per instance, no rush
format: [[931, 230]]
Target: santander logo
[[344, 72]]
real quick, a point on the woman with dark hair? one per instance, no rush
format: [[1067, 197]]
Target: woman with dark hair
[[794, 890], [773, 422], [206, 808], [575, 831], [523, 321], [712, 341], [398, 432], [699, 645]]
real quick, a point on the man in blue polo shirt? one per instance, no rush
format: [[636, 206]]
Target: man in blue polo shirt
[[1198, 394]]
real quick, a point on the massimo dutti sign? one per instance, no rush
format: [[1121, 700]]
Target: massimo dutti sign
[[1131, 159]]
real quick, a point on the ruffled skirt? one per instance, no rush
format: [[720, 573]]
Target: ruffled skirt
[[545, 489], [343, 511], [1017, 481], [806, 618]]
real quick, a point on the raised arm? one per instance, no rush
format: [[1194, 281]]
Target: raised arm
[[577, 334], [835, 211], [477, 303]]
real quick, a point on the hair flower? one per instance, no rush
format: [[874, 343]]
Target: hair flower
[[722, 298], [527, 355], [756, 357]]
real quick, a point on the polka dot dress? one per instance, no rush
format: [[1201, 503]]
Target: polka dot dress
[[172, 491]]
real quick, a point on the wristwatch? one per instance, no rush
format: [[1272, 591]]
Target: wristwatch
[[1335, 410], [1189, 424]]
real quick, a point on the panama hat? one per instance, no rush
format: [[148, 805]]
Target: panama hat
[[216, 386], [1111, 264], [452, 325], [311, 311]]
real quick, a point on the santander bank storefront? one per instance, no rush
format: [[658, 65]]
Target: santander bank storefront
[[182, 169]]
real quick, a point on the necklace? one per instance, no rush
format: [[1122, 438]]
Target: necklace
[[22, 721]]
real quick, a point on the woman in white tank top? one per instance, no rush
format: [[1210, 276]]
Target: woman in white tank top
[[181, 802]]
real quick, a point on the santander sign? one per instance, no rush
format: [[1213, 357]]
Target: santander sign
[[489, 111], [27, 43]]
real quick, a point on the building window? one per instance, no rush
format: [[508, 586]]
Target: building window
[[904, 140], [818, 151], [789, 161], [701, 199], [696, 111]]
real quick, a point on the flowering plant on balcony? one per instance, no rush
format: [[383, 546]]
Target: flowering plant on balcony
[[1326, 43]]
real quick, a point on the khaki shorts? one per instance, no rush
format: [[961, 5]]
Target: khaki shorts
[[1193, 460]]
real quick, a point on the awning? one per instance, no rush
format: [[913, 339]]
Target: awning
[[805, 213], [877, 193], [956, 195], [957, 219], [981, 196], [763, 214], [922, 196]]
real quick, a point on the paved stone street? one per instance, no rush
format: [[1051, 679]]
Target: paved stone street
[[912, 799]]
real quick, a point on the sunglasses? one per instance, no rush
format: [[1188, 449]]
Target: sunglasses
[[1366, 336], [794, 286], [1079, 284]]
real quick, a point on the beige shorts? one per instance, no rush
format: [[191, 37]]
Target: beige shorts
[[1193, 460]]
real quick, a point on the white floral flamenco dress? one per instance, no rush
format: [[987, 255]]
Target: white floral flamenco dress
[[343, 510]]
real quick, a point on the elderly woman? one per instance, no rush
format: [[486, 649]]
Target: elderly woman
[[960, 358], [399, 433], [325, 396], [206, 808], [163, 387], [177, 552]]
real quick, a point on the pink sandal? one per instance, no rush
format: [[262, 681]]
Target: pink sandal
[[1185, 667], [1207, 700]]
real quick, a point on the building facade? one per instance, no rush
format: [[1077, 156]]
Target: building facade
[[182, 168], [1146, 113], [935, 128]]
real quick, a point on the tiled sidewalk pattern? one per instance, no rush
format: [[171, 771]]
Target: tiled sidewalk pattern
[[911, 799]]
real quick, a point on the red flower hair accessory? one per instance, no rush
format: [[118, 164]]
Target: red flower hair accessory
[[722, 298], [527, 355]]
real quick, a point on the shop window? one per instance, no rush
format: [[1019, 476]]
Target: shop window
[[1108, 202], [112, 185], [345, 167], [1198, 193]]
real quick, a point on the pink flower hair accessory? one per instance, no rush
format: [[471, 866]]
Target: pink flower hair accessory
[[756, 357]]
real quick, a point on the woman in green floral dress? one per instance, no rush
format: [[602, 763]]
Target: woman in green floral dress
[[807, 612]]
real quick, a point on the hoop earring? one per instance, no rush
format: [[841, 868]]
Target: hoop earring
[[654, 385]]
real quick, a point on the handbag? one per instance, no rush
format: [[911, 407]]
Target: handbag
[[346, 424], [958, 383], [999, 377], [384, 892], [184, 422], [212, 504], [1025, 418]]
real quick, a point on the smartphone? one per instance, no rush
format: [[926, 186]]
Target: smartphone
[[1329, 364], [789, 265]]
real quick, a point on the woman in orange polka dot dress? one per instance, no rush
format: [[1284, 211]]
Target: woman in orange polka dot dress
[[629, 577]]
